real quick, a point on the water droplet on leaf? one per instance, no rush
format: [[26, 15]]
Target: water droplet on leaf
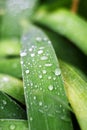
[[23, 54], [57, 71], [44, 58], [12, 127], [27, 71], [50, 87]]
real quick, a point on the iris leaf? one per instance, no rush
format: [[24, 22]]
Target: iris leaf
[[42, 81]]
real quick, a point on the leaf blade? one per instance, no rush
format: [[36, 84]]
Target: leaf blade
[[41, 74]]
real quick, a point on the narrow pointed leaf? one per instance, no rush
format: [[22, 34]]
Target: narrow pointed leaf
[[13, 124], [76, 88], [9, 109], [12, 86], [15, 12], [66, 23], [11, 66], [9, 47], [43, 83]]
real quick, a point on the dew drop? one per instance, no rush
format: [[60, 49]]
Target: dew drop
[[45, 39], [31, 84], [40, 66], [49, 77], [5, 79], [40, 88], [23, 54], [35, 86], [48, 64], [34, 97], [12, 127], [57, 71], [44, 71], [21, 62], [44, 58], [50, 87], [41, 47], [40, 76], [4, 102], [31, 118], [58, 93], [54, 78], [30, 49], [60, 105], [2, 107], [38, 39], [40, 103], [49, 42], [32, 55], [27, 71], [40, 51]]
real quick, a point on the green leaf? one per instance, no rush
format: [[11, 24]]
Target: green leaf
[[13, 124], [43, 84], [9, 109], [11, 66], [15, 12], [67, 52], [9, 47], [12, 86], [66, 23], [76, 88]]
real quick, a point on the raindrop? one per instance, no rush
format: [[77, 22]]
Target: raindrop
[[32, 55], [27, 71], [49, 42], [45, 39], [60, 105], [29, 63], [2, 107], [4, 102], [49, 77], [33, 46], [30, 49], [65, 118], [40, 88], [21, 62], [44, 58], [40, 51], [57, 71], [54, 78], [31, 118], [12, 127], [41, 47], [23, 54], [48, 64], [50, 87], [40, 66], [58, 93], [5, 79], [38, 39], [44, 71], [40, 103], [34, 97], [31, 84], [40, 76], [35, 86]]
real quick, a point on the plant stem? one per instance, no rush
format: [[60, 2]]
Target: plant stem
[[74, 7]]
